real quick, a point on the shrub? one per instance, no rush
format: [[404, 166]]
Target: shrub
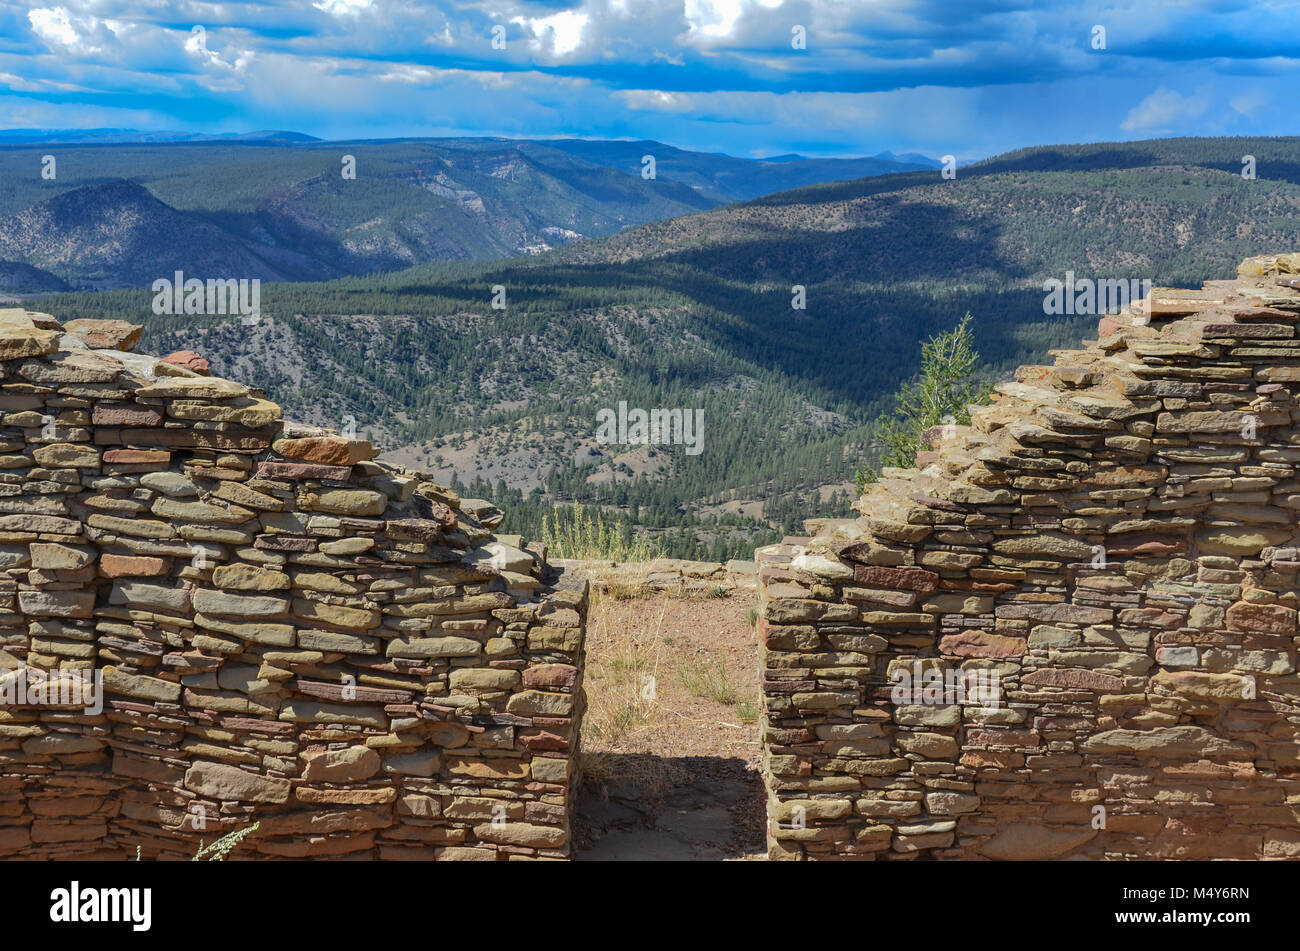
[[584, 534]]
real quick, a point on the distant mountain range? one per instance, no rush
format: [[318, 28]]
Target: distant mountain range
[[696, 312], [730, 179], [278, 206], [68, 136]]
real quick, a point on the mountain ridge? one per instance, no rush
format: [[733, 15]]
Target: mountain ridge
[[316, 210], [696, 312]]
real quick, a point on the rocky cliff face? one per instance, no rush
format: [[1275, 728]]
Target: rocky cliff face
[[213, 617], [1071, 632]]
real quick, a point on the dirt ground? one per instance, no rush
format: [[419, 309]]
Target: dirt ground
[[670, 749]]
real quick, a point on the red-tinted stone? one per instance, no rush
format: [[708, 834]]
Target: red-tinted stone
[[907, 579], [1004, 738], [189, 438], [107, 414], [326, 450], [127, 566], [535, 739], [1145, 543], [1150, 617], [350, 693], [1109, 325], [216, 472], [138, 456], [553, 722], [551, 675], [284, 543], [252, 725], [992, 759], [1073, 677], [1261, 618], [1266, 642], [301, 470], [191, 360], [981, 644]]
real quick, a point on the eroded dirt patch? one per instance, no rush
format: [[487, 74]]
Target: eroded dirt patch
[[670, 746]]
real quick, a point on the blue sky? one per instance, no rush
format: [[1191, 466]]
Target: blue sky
[[964, 77]]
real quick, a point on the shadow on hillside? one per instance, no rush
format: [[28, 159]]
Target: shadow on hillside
[[641, 807]]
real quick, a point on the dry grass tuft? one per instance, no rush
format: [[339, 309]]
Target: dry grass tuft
[[621, 588], [667, 694], [622, 680], [702, 678]]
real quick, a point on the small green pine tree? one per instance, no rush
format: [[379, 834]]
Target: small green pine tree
[[942, 392]]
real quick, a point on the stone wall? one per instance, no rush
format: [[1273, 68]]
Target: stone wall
[[1115, 538], [287, 631], [671, 575]]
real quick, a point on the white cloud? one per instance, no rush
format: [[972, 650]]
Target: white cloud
[[560, 34], [414, 75], [54, 26], [715, 19], [721, 19], [197, 45], [17, 82], [655, 100], [342, 8], [1163, 111]]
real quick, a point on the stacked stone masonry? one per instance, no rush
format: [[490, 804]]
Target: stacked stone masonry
[[1116, 538], [288, 632]]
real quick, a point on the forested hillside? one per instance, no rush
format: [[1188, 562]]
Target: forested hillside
[[122, 214], [696, 312]]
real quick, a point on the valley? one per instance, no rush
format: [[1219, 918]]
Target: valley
[[695, 311]]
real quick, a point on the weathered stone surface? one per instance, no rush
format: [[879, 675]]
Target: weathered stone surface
[[483, 678], [433, 647], [347, 502], [238, 605], [110, 334], [350, 765], [124, 566], [1050, 545], [1073, 677], [244, 577], [67, 455], [21, 337], [54, 557], [137, 685], [138, 594], [1025, 841], [287, 631], [222, 781], [330, 451], [338, 615], [269, 633], [910, 579], [68, 604], [1167, 741], [300, 470], [522, 833], [1089, 594], [1263, 618], [193, 388], [190, 360], [540, 702]]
